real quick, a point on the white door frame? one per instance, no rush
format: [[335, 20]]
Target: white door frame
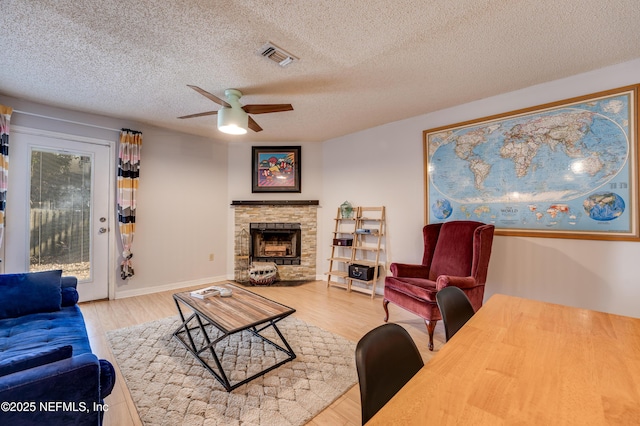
[[17, 266]]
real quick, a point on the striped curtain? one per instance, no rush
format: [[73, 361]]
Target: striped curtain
[[128, 173], [5, 117]]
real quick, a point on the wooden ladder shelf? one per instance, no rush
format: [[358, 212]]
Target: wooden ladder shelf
[[357, 243]]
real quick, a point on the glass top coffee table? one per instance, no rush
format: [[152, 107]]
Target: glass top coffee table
[[206, 322]]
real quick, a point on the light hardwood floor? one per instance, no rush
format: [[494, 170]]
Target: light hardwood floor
[[350, 315]]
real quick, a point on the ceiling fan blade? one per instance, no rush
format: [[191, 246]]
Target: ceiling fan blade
[[200, 114], [263, 109], [254, 126], [209, 95]]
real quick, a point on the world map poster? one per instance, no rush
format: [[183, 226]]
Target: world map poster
[[567, 169]]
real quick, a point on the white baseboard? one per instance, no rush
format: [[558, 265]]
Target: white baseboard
[[121, 294]]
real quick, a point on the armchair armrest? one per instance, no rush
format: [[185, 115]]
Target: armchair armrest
[[447, 281], [407, 270]]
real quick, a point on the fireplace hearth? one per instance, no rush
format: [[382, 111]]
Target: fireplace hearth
[[277, 242]]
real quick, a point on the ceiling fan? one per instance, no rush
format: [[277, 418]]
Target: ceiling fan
[[233, 117]]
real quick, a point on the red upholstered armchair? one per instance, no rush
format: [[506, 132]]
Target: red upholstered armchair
[[457, 254]]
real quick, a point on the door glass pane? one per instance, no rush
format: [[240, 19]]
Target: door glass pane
[[60, 213]]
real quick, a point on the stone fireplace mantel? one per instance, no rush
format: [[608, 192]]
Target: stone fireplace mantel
[[275, 203]]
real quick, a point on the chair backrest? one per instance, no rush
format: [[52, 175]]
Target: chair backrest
[[458, 248], [456, 309], [386, 358]]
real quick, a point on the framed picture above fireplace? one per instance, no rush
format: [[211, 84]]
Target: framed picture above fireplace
[[275, 169]]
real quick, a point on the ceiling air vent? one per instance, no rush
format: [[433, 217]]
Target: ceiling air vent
[[277, 55]]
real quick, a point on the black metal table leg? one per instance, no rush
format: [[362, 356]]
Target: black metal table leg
[[221, 376]]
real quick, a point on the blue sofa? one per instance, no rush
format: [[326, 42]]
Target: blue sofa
[[48, 374]]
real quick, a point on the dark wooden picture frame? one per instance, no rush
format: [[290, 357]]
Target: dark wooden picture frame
[[275, 169]]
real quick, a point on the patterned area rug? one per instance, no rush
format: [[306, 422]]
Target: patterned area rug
[[170, 387]]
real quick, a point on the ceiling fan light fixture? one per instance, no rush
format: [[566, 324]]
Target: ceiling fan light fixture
[[233, 121], [233, 117]]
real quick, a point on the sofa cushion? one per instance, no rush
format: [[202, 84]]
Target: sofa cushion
[[29, 293], [30, 333], [35, 359]]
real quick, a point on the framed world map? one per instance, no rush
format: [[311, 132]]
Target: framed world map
[[568, 169]]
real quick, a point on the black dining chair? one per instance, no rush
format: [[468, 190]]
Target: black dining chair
[[386, 358], [456, 309]]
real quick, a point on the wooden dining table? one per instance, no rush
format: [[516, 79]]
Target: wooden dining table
[[524, 362]]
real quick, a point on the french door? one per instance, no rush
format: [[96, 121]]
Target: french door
[[59, 215]]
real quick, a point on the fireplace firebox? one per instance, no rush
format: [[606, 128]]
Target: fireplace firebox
[[275, 242]]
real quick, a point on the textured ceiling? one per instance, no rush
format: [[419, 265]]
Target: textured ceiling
[[362, 63]]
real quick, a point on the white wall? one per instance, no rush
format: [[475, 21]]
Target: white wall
[[384, 166], [182, 200], [187, 184], [182, 213], [239, 181]]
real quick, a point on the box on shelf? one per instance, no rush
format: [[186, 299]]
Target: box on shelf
[[361, 272], [367, 231], [343, 241]]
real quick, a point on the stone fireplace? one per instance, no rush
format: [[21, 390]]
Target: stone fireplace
[[279, 231]]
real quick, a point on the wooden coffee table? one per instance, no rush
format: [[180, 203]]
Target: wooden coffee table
[[243, 310]]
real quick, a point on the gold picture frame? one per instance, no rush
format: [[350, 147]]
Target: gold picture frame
[[566, 169]]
